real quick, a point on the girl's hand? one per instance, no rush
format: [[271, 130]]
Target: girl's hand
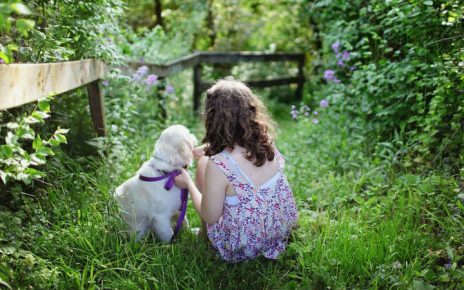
[[183, 180], [199, 152]]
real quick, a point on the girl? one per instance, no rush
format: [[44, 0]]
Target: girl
[[241, 191]]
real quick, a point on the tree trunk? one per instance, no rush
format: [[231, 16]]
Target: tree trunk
[[158, 11]]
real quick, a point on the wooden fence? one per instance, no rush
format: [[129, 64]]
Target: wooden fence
[[25, 83], [198, 59]]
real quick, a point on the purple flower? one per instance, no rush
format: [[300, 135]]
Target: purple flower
[[141, 71], [315, 121], [345, 55], [294, 113], [151, 80], [336, 46], [447, 266], [2, 61], [105, 83], [315, 113], [352, 68], [169, 89], [324, 103], [340, 63], [329, 75]]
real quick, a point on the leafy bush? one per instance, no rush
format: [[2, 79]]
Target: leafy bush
[[406, 60], [50, 31], [16, 160]]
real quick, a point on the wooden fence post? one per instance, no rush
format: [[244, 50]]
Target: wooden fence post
[[97, 108], [196, 87], [301, 79]]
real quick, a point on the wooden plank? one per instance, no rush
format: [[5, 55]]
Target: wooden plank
[[169, 68], [97, 108], [247, 56], [214, 58], [262, 83], [25, 83]]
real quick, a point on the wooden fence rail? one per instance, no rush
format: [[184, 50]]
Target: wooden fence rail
[[25, 83], [198, 59]]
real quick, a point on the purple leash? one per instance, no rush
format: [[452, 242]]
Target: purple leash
[[168, 185]]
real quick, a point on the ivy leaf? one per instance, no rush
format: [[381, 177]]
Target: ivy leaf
[[62, 131], [12, 125], [32, 120], [45, 151], [11, 138], [23, 177], [37, 144], [38, 159], [40, 115], [428, 3], [4, 176], [7, 151], [25, 132], [54, 142], [34, 173], [60, 138], [44, 106]]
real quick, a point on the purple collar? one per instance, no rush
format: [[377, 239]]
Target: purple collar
[[168, 185]]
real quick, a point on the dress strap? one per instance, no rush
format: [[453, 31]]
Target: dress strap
[[236, 167], [227, 167], [280, 158]]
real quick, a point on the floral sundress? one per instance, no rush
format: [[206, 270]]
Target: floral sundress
[[258, 219]]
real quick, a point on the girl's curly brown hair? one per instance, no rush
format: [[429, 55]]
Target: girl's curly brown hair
[[235, 116]]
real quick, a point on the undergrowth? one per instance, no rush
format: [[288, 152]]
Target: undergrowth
[[362, 224]]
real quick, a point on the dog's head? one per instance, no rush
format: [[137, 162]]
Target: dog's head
[[173, 150]]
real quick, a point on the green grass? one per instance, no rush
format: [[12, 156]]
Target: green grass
[[362, 225]]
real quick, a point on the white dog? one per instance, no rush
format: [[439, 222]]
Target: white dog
[[148, 205]]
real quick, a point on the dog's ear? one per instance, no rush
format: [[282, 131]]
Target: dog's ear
[[185, 148], [193, 140]]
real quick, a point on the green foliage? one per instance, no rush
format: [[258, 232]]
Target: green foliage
[[157, 46], [134, 105], [24, 149], [13, 21], [51, 31], [408, 80], [369, 217], [257, 25], [47, 31], [361, 225]]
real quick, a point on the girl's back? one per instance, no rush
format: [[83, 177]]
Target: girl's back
[[259, 208], [245, 198]]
